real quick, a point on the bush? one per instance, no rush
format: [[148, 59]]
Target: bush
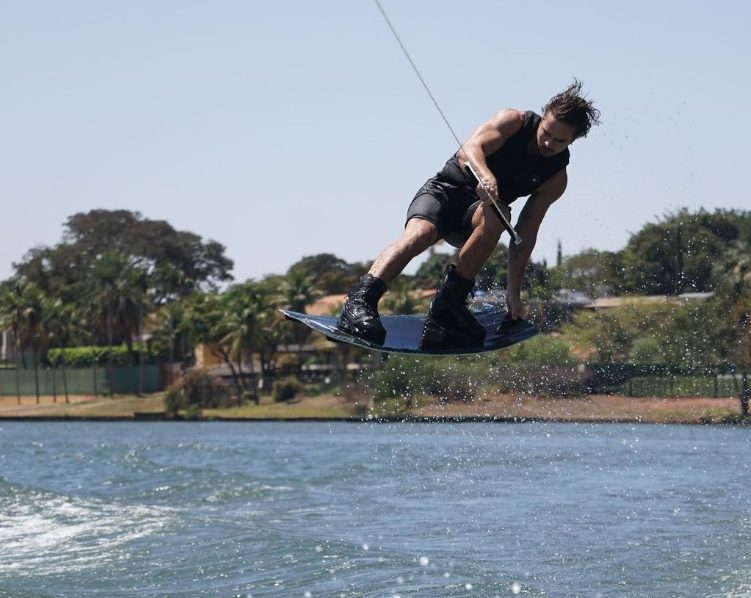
[[539, 350], [286, 389], [410, 377], [196, 390], [88, 356]]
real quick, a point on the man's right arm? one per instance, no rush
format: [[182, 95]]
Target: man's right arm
[[485, 140]]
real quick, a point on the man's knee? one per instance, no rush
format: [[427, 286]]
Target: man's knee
[[487, 224], [420, 233]]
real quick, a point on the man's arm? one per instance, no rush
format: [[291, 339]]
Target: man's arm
[[485, 140], [527, 226]]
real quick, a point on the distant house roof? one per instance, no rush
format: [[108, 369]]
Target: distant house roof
[[326, 305]]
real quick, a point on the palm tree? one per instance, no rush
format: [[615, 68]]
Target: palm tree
[[22, 310], [242, 323], [298, 290], [60, 325], [12, 318], [734, 275], [120, 288], [169, 328]]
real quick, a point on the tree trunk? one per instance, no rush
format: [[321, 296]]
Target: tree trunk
[[140, 350], [170, 375], [65, 382], [18, 377], [54, 384], [744, 395], [110, 356], [36, 372]]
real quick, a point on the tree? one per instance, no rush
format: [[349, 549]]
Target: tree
[[169, 333], [151, 243], [31, 302], [401, 299], [676, 254], [432, 270], [298, 290], [59, 326], [230, 324], [593, 272], [176, 263], [494, 274], [13, 318], [242, 325], [332, 274], [734, 298]]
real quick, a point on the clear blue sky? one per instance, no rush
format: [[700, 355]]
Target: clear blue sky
[[290, 128]]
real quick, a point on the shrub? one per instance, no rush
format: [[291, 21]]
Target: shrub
[[196, 390], [88, 356], [539, 350], [286, 389], [409, 377]]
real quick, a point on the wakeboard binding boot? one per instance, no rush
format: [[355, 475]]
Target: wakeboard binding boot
[[449, 321], [359, 315]]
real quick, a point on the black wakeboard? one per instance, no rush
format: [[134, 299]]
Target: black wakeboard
[[404, 333]]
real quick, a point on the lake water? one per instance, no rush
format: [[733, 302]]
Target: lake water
[[319, 509]]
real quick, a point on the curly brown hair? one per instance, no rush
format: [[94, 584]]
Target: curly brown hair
[[571, 107]]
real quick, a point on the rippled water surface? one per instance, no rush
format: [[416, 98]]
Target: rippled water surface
[[318, 509]]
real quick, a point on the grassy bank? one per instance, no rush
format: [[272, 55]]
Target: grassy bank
[[506, 406]]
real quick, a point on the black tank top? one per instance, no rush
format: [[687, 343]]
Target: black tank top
[[519, 174]]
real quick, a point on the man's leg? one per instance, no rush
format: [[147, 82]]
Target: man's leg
[[418, 235], [360, 312], [449, 320], [486, 231]]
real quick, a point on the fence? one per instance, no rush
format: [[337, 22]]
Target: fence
[[84, 381], [636, 380]]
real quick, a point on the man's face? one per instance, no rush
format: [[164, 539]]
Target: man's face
[[553, 136]]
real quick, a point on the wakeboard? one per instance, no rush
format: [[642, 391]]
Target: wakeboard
[[404, 333]]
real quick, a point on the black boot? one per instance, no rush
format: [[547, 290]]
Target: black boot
[[449, 321], [359, 315]]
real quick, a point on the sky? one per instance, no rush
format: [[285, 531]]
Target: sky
[[291, 128]]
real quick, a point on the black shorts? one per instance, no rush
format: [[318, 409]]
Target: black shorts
[[449, 201]]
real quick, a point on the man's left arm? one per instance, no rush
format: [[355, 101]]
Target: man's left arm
[[527, 226]]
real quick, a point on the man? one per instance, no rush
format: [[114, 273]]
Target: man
[[515, 154]]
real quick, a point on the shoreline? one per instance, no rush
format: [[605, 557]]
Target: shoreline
[[333, 408]]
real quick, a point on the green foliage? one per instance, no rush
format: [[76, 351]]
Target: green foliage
[[432, 270], [401, 299], [592, 272], [196, 390], [606, 335], [494, 274], [410, 377], [539, 350], [88, 356], [676, 255], [286, 389], [331, 274], [646, 349], [692, 333], [112, 269]]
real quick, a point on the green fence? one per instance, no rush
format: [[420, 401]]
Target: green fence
[[79, 381], [683, 386], [638, 380]]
